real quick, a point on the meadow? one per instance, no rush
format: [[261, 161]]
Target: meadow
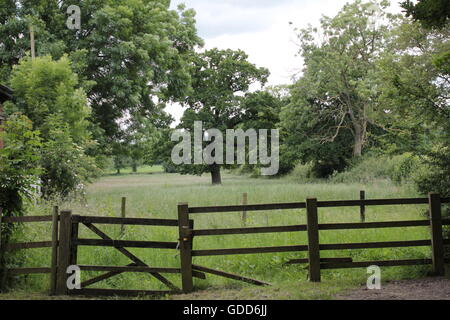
[[153, 194]]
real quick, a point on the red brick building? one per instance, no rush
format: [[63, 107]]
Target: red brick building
[[5, 94]]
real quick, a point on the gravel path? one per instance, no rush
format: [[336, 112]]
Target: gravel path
[[423, 289]]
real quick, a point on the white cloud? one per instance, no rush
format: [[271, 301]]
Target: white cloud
[[260, 28]]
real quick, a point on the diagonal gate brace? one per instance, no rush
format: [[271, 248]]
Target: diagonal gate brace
[[129, 255], [229, 275]]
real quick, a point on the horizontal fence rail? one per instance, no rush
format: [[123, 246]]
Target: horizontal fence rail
[[320, 204], [66, 241], [126, 221], [126, 243], [313, 228]]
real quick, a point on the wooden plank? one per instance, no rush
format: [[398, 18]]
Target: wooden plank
[[1, 219], [138, 269], [63, 252], [376, 245], [54, 259], [374, 225], [235, 251], [371, 202], [116, 292], [320, 204], [131, 256], [365, 264], [110, 274], [362, 208], [27, 245], [322, 260], [123, 213], [73, 241], [27, 219], [230, 275], [253, 207], [437, 241], [185, 247], [20, 271], [126, 243], [244, 203], [217, 232], [127, 221], [313, 240]]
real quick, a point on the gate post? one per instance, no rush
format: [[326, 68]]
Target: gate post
[[54, 267], [185, 247], [313, 240], [64, 251], [437, 241], [362, 208]]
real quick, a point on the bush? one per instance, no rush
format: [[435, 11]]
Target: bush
[[303, 173], [19, 169], [398, 169]]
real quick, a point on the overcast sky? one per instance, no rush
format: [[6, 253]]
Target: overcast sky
[[260, 28]]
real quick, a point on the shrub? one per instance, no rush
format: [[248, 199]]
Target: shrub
[[399, 169], [19, 169], [303, 173]]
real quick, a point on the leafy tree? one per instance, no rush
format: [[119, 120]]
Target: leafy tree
[[47, 92], [43, 88], [337, 85], [128, 53], [431, 13], [414, 80], [66, 166], [19, 170], [219, 78]]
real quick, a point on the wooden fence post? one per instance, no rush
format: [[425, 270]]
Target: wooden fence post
[[73, 245], [1, 215], [437, 242], [54, 267], [123, 213], [185, 247], [313, 240], [244, 213], [362, 208], [65, 224]]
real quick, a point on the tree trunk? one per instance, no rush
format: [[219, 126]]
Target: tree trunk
[[118, 171], [358, 140], [134, 167], [215, 175]]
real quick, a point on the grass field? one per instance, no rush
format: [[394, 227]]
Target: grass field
[[155, 195]]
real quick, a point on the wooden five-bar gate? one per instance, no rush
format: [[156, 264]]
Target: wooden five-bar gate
[[65, 242]]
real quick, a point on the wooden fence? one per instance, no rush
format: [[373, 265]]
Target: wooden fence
[[314, 247], [65, 242]]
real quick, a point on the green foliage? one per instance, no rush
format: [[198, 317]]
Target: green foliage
[[399, 169], [303, 173], [127, 53], [47, 92], [66, 166], [43, 87], [337, 90], [431, 13], [19, 163], [434, 176], [19, 169], [219, 77]]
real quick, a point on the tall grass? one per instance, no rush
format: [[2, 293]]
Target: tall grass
[[157, 196]]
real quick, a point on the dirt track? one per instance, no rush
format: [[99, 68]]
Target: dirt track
[[423, 289]]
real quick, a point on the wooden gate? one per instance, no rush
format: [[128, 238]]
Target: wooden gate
[[69, 242]]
